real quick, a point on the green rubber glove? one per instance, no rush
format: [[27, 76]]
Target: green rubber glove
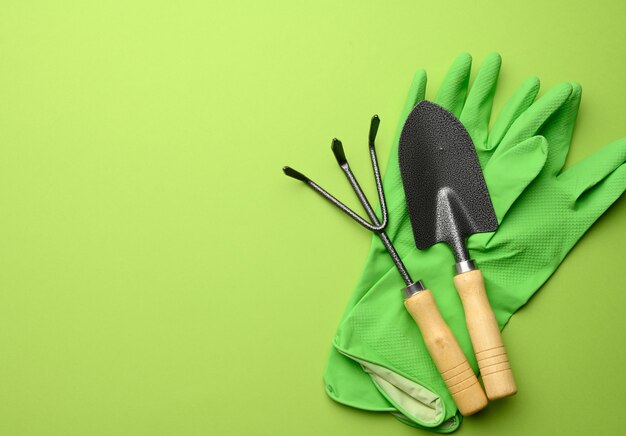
[[536, 232]]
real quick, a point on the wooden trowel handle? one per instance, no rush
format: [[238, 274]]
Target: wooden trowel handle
[[446, 353], [485, 335]]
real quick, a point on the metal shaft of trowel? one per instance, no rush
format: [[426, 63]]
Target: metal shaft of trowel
[[381, 234], [458, 247], [463, 262]]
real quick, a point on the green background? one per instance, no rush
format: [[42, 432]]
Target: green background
[[160, 276]]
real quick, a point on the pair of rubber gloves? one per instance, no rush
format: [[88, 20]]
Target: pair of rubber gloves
[[379, 361]]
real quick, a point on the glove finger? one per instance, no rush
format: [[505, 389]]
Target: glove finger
[[529, 123], [511, 170], [477, 109], [394, 193], [558, 130], [417, 92], [596, 200], [517, 104], [378, 261], [587, 173], [453, 89]]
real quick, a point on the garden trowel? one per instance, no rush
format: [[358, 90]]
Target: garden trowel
[[448, 201]]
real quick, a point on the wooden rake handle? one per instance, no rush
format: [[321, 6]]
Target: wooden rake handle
[[446, 353], [485, 335]]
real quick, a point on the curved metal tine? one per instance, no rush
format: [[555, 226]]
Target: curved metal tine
[[290, 172], [379, 184], [337, 148]]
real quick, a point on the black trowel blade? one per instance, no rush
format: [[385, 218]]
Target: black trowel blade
[[445, 190]]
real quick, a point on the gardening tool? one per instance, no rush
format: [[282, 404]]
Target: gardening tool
[[448, 201], [419, 301]]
